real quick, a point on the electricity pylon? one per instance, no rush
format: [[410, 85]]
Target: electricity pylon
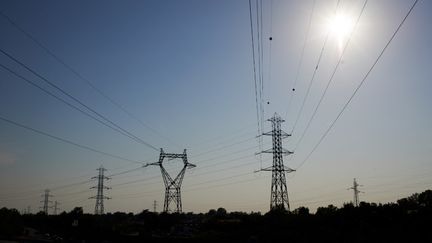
[[46, 201], [99, 206], [172, 186], [355, 186], [56, 207], [154, 206], [279, 193]]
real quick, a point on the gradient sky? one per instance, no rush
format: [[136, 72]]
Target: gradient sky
[[185, 69]]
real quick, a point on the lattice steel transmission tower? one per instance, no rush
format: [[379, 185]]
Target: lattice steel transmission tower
[[279, 193], [46, 201], [173, 186], [154, 206], [99, 206], [56, 207], [355, 186]]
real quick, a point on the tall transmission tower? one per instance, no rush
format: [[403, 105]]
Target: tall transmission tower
[[46, 201], [279, 193], [99, 206], [355, 186], [172, 186]]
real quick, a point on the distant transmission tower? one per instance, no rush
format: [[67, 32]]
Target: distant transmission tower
[[46, 201], [173, 186], [99, 206], [355, 186], [56, 207], [279, 192], [154, 206]]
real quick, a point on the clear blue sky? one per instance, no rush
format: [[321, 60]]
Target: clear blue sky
[[185, 69]]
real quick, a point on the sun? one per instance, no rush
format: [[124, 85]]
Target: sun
[[340, 27]]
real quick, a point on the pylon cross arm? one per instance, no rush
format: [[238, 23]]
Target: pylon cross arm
[[286, 151]]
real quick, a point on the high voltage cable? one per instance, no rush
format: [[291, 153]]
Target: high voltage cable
[[254, 65], [68, 141], [223, 147], [144, 179], [194, 175], [63, 100], [358, 87], [258, 71], [225, 141], [313, 77], [80, 183], [135, 138], [270, 50], [225, 155], [225, 161], [125, 172], [52, 189], [207, 172], [222, 138], [261, 62], [294, 83], [72, 184], [220, 185], [309, 199], [193, 189], [80, 76], [331, 77]]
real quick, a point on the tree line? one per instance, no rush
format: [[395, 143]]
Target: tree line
[[407, 220]]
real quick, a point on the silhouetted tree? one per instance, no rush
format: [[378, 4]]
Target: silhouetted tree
[[301, 211], [77, 211], [10, 222], [326, 211], [221, 212], [425, 199]]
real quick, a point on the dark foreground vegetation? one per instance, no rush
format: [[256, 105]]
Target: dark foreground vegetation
[[408, 220]]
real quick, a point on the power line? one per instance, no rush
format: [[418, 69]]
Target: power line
[[70, 185], [312, 78], [331, 77], [258, 71], [261, 60], [65, 185], [225, 138], [135, 138], [254, 66], [301, 57], [126, 171], [147, 179], [63, 100], [358, 87], [270, 50], [193, 175], [81, 183], [223, 147], [68, 141], [81, 77], [208, 187]]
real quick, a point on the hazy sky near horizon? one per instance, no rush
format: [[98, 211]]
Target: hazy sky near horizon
[[184, 68]]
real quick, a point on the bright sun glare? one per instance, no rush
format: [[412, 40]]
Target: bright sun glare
[[340, 26]]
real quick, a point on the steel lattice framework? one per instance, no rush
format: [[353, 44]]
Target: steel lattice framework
[[46, 201], [99, 206], [173, 186], [355, 187], [279, 192]]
